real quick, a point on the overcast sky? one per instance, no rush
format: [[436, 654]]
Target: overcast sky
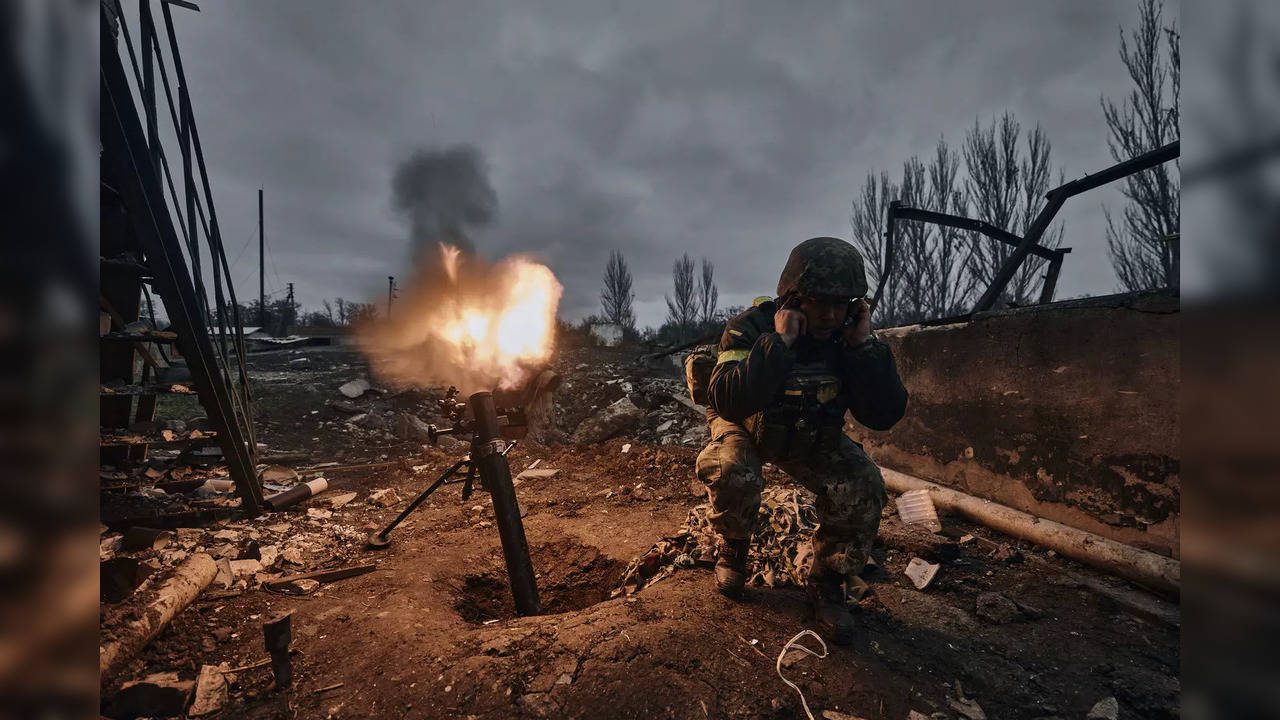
[[726, 130]]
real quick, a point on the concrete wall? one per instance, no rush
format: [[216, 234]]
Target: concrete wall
[[1068, 411]]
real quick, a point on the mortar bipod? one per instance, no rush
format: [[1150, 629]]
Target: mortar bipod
[[379, 539]]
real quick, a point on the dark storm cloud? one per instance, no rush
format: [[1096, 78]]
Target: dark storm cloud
[[726, 130]]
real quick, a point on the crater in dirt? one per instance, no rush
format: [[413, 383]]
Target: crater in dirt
[[571, 576]]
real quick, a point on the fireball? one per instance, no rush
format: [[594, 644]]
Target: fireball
[[464, 322]]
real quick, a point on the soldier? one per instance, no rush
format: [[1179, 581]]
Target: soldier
[[787, 371]]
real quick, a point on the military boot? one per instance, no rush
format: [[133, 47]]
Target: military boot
[[829, 605], [731, 566]]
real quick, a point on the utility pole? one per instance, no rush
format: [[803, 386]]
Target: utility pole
[[291, 317], [391, 292], [262, 268]]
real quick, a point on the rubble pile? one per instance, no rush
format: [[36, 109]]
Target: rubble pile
[[781, 546], [248, 554], [600, 400]]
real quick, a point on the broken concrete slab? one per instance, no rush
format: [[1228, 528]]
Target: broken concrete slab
[[607, 422], [225, 577], [355, 388], [336, 501], [1104, 709], [921, 572], [246, 567]]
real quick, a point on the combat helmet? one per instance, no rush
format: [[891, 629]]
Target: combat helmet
[[824, 266]]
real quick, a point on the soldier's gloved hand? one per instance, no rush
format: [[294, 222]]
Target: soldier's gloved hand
[[860, 329], [789, 324]]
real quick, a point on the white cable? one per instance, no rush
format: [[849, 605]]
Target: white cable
[[790, 644]]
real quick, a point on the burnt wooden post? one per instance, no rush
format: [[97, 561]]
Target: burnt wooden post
[[276, 634]]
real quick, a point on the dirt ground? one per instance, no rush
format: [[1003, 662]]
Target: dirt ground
[[432, 632]]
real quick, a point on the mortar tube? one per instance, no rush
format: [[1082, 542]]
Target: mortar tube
[[295, 494], [495, 475]]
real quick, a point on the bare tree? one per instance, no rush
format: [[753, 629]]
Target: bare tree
[[912, 250], [931, 277], [616, 298], [870, 209], [708, 294], [948, 283], [328, 312], [1006, 183], [682, 309], [1145, 120]]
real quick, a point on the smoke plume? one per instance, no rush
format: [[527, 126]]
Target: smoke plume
[[443, 192]]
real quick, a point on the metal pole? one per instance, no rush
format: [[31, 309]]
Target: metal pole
[[495, 474], [1051, 278], [262, 268], [391, 286]]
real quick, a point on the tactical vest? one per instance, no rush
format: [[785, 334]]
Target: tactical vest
[[804, 419]]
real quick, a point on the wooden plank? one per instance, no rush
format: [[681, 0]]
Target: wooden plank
[[329, 575]]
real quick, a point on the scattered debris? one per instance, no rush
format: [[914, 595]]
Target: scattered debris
[[327, 688], [781, 547], [144, 538], [158, 695], [296, 494], [120, 576], [921, 572], [410, 427], [1006, 553], [278, 474], [833, 715], [967, 707], [324, 576], [211, 690], [224, 576], [1104, 709], [384, 497], [301, 586], [245, 567], [626, 447], [336, 501], [607, 423], [538, 474], [319, 513], [355, 388], [301, 363], [343, 406], [996, 608], [916, 508]]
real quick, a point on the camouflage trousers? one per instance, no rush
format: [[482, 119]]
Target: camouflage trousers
[[848, 485]]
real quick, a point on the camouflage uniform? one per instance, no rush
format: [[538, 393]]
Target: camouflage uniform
[[761, 390]]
